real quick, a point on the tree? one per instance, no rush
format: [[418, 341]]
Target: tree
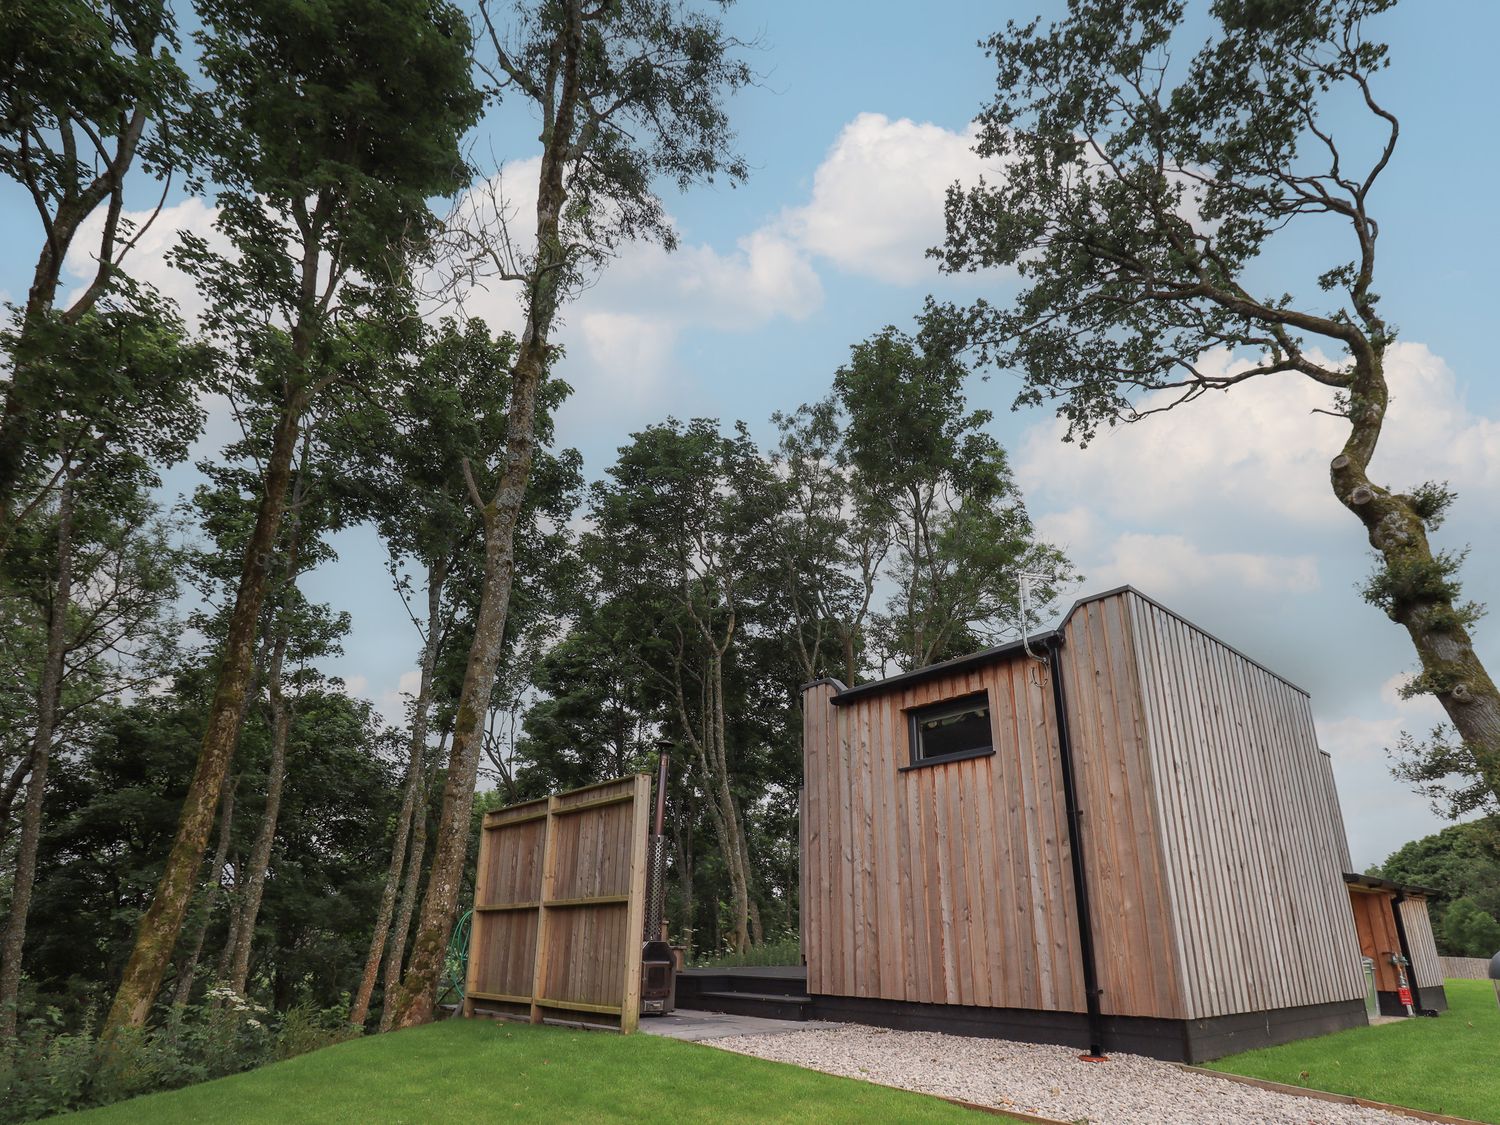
[[99, 591], [112, 814], [834, 540], [1461, 861], [330, 127], [1468, 931], [89, 91], [893, 477], [683, 534], [449, 406], [1140, 193], [627, 92], [960, 536]]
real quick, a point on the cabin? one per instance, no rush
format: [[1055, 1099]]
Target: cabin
[[1119, 834]]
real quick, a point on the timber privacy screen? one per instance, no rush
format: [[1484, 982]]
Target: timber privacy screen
[[559, 903]]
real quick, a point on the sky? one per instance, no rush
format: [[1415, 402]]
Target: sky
[[860, 120]]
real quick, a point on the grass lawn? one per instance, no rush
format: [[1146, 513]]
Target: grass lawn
[[1447, 1065], [476, 1070]]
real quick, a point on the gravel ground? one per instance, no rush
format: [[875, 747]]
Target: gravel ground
[[1046, 1080]]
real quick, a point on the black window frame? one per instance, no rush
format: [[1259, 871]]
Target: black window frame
[[939, 709]]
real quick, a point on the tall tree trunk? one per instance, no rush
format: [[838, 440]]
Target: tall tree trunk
[[159, 929], [213, 889], [735, 849], [1418, 593], [46, 720], [243, 933], [395, 955], [709, 747], [418, 991], [683, 868], [416, 996], [10, 790], [415, 767]]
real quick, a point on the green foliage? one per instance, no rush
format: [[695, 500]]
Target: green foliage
[[1144, 174], [894, 478], [334, 122], [1468, 931], [112, 811], [1397, 585], [1460, 862], [783, 950], [52, 1070], [1431, 501], [1443, 768]]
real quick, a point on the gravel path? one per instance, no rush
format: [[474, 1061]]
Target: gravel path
[[1045, 1080]]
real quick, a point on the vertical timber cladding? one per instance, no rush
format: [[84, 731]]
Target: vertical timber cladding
[[1376, 928], [1249, 843], [560, 906], [1426, 970], [945, 884], [1137, 945]]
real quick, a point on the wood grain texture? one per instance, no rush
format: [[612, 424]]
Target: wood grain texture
[[1210, 834], [944, 884], [1375, 924], [1255, 882], [1427, 971], [559, 906]]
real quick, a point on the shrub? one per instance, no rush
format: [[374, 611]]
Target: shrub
[[52, 1070]]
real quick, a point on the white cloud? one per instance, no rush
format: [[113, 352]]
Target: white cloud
[[877, 198], [147, 261], [1171, 562], [1260, 450]]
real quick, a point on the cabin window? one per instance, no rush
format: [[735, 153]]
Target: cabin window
[[953, 729]]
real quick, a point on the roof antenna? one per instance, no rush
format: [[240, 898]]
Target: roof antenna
[[1026, 579]]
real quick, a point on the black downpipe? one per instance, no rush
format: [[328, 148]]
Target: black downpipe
[[1075, 847]]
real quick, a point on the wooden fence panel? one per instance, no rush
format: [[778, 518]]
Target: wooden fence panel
[[559, 907], [1465, 968]]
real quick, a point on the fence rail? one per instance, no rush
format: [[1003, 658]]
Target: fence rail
[[559, 905], [1465, 968]]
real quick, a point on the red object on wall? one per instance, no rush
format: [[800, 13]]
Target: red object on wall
[[1404, 995]]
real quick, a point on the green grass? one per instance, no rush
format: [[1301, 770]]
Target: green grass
[[476, 1070], [1446, 1065]]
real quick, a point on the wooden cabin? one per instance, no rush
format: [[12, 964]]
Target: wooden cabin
[[1120, 835], [1392, 922]]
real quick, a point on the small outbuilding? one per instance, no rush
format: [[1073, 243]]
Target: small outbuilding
[[1120, 834], [1395, 936]]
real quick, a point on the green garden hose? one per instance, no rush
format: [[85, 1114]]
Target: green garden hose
[[456, 960]]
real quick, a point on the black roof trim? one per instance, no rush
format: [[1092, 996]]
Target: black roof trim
[[1374, 882], [838, 684], [937, 671], [999, 652]]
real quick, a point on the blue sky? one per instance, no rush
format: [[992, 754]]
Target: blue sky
[[1220, 511]]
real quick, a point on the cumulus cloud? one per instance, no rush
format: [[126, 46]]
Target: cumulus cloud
[[1262, 450], [147, 262], [877, 197]]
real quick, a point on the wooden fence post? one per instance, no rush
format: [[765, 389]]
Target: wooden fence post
[[549, 869], [635, 918]]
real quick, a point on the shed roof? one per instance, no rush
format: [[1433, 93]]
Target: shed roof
[[1375, 883], [843, 695]]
